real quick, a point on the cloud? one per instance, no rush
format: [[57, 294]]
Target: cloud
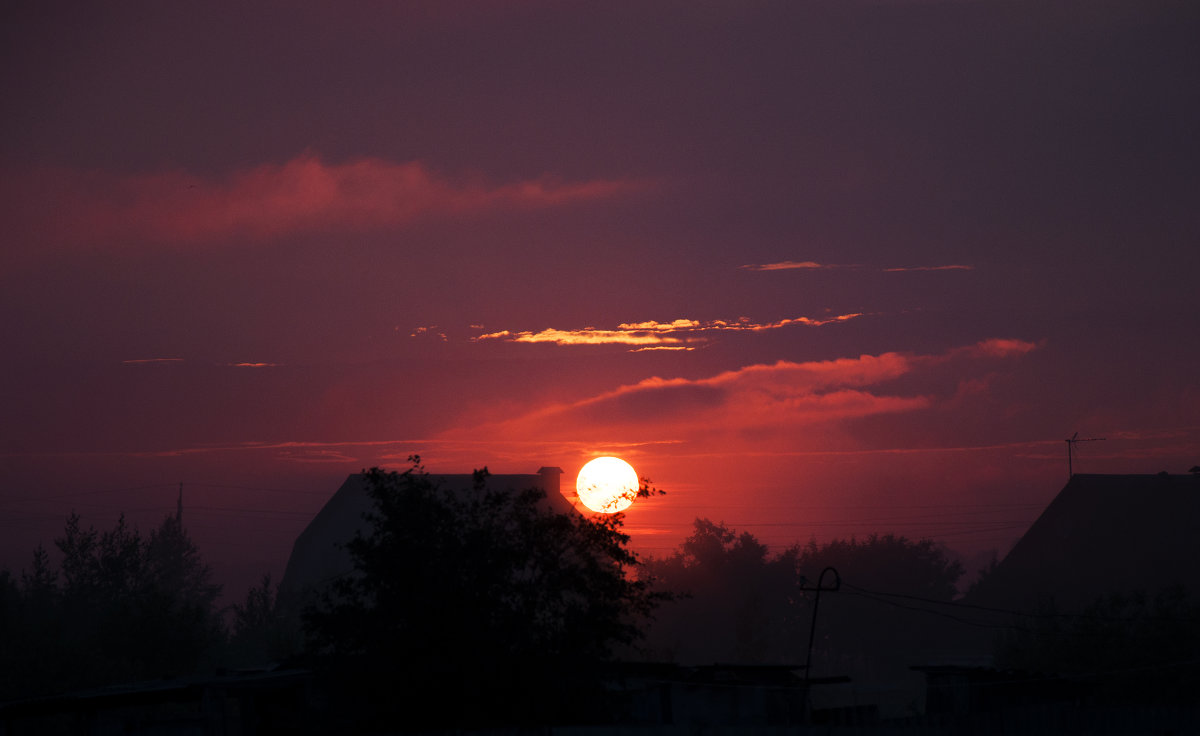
[[173, 361], [152, 361], [293, 449], [266, 201], [814, 266], [430, 331], [585, 336], [315, 456], [768, 400], [673, 326], [1000, 348], [653, 334], [744, 324], [779, 408], [951, 267], [789, 265]]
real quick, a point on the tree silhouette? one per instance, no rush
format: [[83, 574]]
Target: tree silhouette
[[887, 562], [740, 603], [861, 632], [17, 650], [1131, 646], [143, 606], [490, 595], [737, 603], [121, 607], [260, 634]]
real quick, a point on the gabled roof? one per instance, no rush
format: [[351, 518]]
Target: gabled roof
[[1102, 534], [318, 556]]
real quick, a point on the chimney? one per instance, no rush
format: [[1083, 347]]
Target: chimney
[[551, 480]]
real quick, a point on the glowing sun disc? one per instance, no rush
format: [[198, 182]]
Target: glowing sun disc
[[607, 485]]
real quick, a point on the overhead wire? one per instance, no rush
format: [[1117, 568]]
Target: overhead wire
[[943, 614], [95, 492]]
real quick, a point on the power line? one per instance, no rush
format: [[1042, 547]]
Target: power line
[[292, 491], [130, 489], [943, 614], [87, 493]]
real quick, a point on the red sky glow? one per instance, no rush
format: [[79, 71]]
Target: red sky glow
[[815, 269]]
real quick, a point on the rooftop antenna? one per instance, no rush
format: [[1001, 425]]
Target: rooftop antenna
[[1071, 450]]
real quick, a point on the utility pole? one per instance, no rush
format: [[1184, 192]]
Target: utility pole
[[1071, 450], [812, 629], [179, 506]]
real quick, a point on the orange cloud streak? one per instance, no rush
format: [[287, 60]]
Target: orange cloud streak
[[586, 336], [788, 265], [654, 332], [778, 397]]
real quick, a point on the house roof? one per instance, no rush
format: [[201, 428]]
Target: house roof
[[318, 556], [1102, 534]]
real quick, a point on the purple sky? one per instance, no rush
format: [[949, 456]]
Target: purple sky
[[815, 268]]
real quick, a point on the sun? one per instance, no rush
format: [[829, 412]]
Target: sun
[[607, 485]]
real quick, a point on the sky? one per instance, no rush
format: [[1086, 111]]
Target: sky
[[814, 268]]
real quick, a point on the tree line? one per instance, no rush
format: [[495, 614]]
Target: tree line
[[738, 602], [121, 606], [491, 593], [519, 609]]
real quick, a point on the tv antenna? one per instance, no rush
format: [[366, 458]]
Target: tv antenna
[[1071, 441]]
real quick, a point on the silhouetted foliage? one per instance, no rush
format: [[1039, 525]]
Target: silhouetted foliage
[[737, 603], [120, 608], [259, 634], [983, 574], [489, 598], [1127, 646], [32, 653], [861, 632], [144, 606], [741, 603], [12, 625], [10, 600], [886, 562], [257, 611]]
